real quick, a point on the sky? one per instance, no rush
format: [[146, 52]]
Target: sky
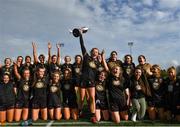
[[152, 25]]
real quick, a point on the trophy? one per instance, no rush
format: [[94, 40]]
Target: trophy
[[76, 31]]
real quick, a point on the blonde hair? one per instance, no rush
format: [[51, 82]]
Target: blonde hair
[[156, 66], [172, 68]]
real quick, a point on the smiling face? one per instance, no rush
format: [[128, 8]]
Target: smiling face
[[7, 62], [26, 74], [141, 60], [94, 53], [172, 73], [6, 79], [116, 71], [128, 59], [67, 59], [20, 59], [54, 59], [41, 72], [28, 60], [102, 76], [113, 56], [156, 70], [42, 58], [138, 73], [56, 77], [67, 74], [78, 59]]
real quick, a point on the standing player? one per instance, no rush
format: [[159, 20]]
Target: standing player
[[89, 73], [39, 61], [128, 66], [119, 97], [113, 60], [76, 73], [139, 90], [54, 61], [67, 64]]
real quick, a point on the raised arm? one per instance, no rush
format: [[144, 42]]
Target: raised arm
[[83, 49], [49, 52], [58, 54], [35, 52], [18, 76], [104, 61]]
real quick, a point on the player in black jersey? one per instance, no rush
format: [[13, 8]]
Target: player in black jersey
[[28, 65], [54, 61], [39, 61], [113, 60], [7, 68], [119, 97], [54, 97], [67, 63], [23, 94], [7, 99], [39, 93], [76, 74], [19, 63], [69, 96], [128, 66], [89, 72], [101, 96], [156, 101], [172, 95]]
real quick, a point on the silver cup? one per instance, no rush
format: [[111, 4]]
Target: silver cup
[[76, 31]]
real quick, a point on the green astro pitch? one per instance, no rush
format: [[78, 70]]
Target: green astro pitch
[[84, 122]]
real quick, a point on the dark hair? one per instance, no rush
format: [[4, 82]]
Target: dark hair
[[142, 57], [21, 57], [66, 57], [41, 55], [127, 56], [103, 71], [27, 57], [93, 50], [7, 59], [53, 56], [78, 56], [113, 53]]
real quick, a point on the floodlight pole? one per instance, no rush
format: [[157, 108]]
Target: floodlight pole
[[130, 44]]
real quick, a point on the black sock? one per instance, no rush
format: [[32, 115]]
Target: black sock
[[92, 114]]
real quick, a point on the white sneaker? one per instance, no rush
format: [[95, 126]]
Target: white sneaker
[[133, 117]]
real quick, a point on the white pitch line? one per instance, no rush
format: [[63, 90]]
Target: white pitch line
[[50, 123]]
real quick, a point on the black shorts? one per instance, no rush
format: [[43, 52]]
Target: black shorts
[[174, 110], [101, 104], [87, 84], [70, 103], [21, 104], [77, 82], [54, 102], [6, 107], [153, 103], [118, 105], [39, 103]]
